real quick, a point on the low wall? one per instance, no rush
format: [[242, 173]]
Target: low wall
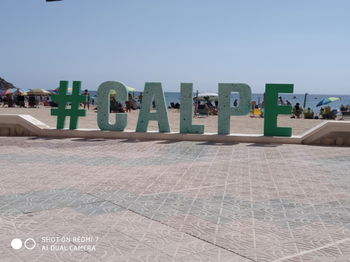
[[327, 133]]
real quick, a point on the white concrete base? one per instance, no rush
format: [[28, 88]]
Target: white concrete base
[[327, 133], [210, 137], [20, 125]]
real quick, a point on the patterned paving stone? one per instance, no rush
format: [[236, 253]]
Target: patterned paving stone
[[180, 201]]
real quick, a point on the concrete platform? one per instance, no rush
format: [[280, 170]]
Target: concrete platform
[[326, 133], [125, 200]]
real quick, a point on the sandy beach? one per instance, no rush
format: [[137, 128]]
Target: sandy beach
[[239, 124]]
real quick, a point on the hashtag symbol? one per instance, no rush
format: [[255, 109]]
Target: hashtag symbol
[[62, 99]]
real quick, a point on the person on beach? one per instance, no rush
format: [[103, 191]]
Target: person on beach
[[297, 110], [252, 105], [280, 101], [21, 101], [309, 113], [235, 103], [327, 110], [140, 98], [87, 103], [321, 111], [343, 108], [128, 103], [196, 105], [212, 109]]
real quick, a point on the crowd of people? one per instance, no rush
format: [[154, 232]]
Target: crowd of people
[[20, 100], [203, 105], [210, 107], [32, 101], [325, 112], [132, 103]]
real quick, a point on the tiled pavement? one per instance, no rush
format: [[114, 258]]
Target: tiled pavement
[[120, 200]]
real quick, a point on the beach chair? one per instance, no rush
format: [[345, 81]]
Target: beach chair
[[135, 105], [202, 110]]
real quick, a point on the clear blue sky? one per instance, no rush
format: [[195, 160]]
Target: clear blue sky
[[205, 42]]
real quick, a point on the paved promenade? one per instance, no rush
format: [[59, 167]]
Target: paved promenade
[[121, 200]]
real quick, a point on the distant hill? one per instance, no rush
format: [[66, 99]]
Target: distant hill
[[5, 85]]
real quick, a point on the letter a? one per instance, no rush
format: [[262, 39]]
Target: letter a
[[153, 92]]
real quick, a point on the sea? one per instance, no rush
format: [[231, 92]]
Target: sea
[[311, 100]]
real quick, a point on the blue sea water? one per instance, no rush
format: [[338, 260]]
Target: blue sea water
[[311, 99]]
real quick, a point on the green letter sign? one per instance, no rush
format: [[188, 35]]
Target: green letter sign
[[103, 95], [62, 99], [272, 109], [153, 93], [225, 109], [186, 111]]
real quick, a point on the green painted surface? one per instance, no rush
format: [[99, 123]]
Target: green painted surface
[[103, 112], [272, 109], [186, 111], [225, 108], [153, 92], [74, 112]]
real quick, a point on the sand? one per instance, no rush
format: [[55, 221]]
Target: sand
[[239, 124]]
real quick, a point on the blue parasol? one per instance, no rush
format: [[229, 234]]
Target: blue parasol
[[328, 100]]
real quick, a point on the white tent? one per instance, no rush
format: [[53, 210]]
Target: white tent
[[211, 96]]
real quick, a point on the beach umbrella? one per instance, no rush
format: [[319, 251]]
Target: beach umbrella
[[210, 96], [327, 100], [9, 91], [38, 92], [131, 89], [56, 91], [21, 91], [53, 91]]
